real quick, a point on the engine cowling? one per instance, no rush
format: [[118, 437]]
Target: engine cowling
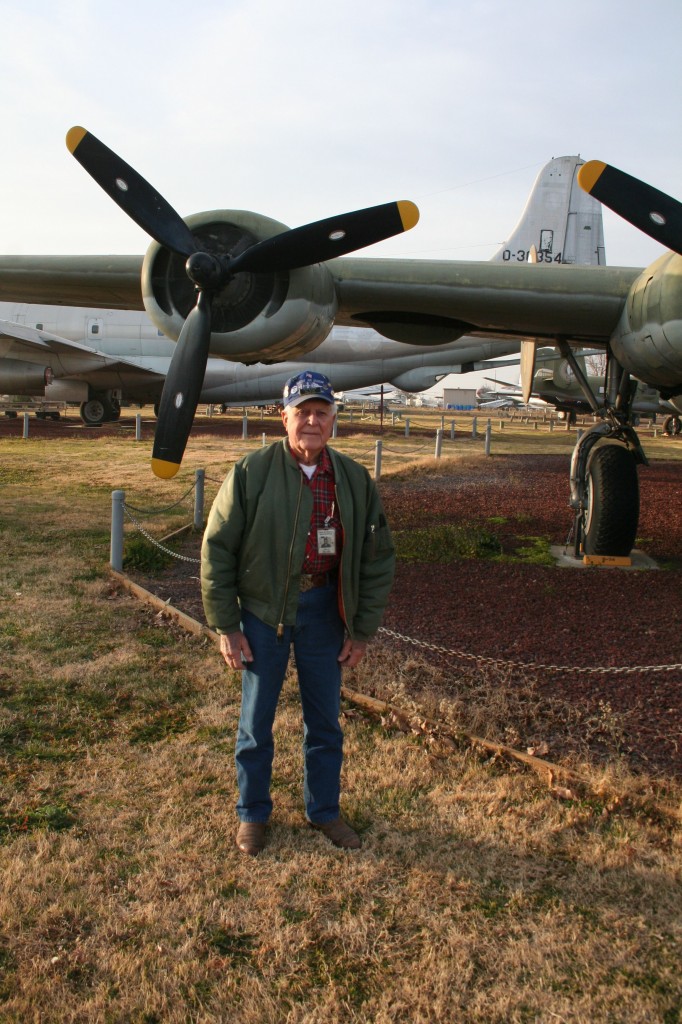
[[648, 339], [23, 378], [255, 317]]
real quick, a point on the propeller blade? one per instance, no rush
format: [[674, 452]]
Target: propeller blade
[[131, 192], [181, 390], [655, 213], [325, 239]]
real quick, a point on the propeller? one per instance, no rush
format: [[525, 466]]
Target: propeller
[[300, 247], [653, 212]]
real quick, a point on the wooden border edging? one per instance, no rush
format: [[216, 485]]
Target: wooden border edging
[[547, 770]]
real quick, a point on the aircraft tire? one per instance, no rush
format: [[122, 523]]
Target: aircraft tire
[[612, 512], [673, 425], [93, 412]]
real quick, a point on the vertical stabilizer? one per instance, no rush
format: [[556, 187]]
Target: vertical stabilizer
[[560, 224]]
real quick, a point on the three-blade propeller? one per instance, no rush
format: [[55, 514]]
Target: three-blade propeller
[[299, 247], [656, 214]]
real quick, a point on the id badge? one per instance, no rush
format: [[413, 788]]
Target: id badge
[[326, 542]]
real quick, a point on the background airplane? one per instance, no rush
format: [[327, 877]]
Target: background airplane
[[244, 287], [99, 358]]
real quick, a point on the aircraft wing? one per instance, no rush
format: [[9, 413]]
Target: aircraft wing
[[105, 282], [413, 301], [426, 301], [66, 358]]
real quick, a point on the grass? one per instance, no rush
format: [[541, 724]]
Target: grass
[[479, 895]]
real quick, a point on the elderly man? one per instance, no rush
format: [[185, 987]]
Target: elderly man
[[297, 552]]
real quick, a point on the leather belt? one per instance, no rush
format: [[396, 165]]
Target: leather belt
[[319, 579]]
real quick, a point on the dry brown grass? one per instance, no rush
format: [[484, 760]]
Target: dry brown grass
[[477, 895]]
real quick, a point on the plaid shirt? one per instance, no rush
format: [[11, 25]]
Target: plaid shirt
[[325, 516]]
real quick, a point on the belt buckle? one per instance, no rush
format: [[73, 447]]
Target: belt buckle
[[305, 583]]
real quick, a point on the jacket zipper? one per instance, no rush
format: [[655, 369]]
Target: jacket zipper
[[280, 627]]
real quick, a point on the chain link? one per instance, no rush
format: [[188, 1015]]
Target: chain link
[[535, 665], [156, 543], [160, 511]]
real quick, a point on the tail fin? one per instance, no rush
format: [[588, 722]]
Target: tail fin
[[560, 224]]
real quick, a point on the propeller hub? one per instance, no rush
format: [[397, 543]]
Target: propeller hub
[[206, 270]]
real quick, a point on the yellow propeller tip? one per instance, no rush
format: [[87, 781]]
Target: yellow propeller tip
[[164, 470], [74, 137], [409, 214], [589, 174]]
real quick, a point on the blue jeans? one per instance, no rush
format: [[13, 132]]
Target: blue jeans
[[317, 638]]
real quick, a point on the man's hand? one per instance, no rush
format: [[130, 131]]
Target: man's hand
[[232, 647], [352, 652]]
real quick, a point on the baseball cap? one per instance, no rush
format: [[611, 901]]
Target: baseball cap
[[305, 385]]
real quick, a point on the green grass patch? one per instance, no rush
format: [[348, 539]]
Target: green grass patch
[[446, 543], [141, 555], [48, 817]]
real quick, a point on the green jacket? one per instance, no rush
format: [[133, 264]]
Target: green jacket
[[255, 539]]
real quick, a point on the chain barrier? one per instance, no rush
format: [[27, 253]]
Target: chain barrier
[[160, 511], [155, 542], [407, 451], [535, 665]]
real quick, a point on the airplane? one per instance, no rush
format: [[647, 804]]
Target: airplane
[[99, 358], [244, 287]]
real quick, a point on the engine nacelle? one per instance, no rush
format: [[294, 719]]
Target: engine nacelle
[[17, 376], [418, 379], [256, 317], [648, 339]]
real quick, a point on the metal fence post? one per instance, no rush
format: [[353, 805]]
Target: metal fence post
[[25, 424], [116, 554], [138, 427], [474, 427], [488, 434], [377, 460], [199, 477], [335, 428], [407, 428], [452, 430], [263, 440], [439, 442], [245, 427]]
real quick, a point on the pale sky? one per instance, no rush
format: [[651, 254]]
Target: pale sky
[[302, 109]]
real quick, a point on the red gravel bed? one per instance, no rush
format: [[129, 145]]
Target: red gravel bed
[[562, 617]]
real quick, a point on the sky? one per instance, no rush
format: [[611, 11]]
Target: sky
[[303, 109]]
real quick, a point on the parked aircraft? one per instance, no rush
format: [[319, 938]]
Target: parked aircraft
[[101, 357], [554, 385], [243, 287]]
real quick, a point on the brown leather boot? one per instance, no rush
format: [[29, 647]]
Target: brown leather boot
[[339, 833], [251, 837]]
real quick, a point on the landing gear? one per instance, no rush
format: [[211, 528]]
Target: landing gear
[[604, 481], [672, 425], [100, 409], [612, 512]]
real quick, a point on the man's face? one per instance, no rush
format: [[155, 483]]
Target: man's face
[[309, 426]]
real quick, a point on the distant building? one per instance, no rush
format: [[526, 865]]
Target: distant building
[[459, 398]]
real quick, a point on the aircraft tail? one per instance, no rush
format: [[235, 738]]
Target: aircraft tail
[[560, 224]]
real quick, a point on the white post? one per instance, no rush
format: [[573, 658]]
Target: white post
[[245, 427], [439, 443], [116, 553], [452, 430], [407, 428], [488, 435], [377, 460], [25, 424], [263, 442], [199, 477], [138, 427], [474, 427]]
